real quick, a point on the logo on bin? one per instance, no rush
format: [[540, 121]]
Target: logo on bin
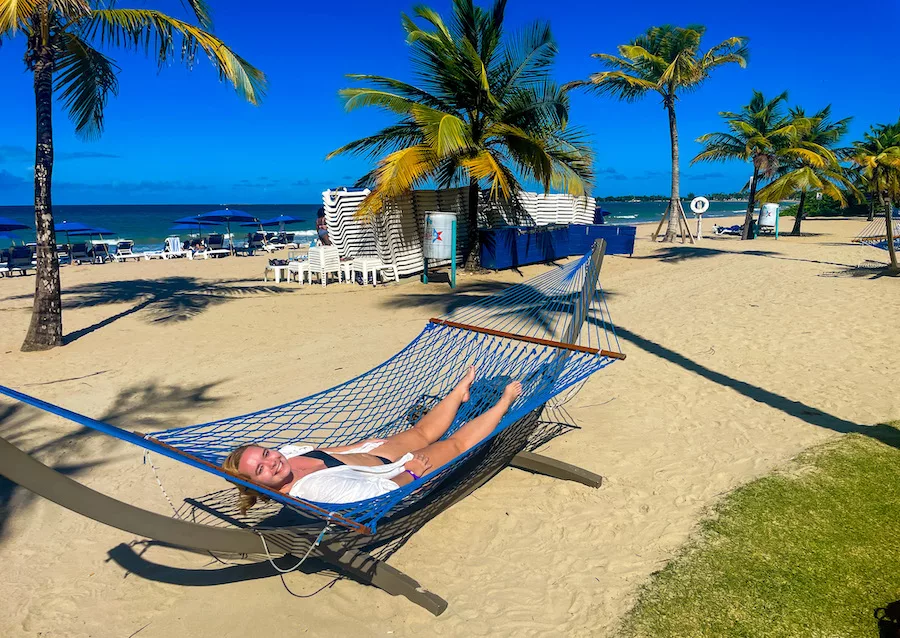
[[436, 235]]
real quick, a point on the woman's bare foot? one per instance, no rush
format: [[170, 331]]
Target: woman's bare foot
[[465, 383], [510, 393]]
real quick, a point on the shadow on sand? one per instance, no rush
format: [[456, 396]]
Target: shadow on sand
[[17, 425], [163, 300]]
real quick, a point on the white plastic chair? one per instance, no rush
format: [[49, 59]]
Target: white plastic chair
[[323, 260]]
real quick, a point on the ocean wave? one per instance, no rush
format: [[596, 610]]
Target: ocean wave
[[624, 216]]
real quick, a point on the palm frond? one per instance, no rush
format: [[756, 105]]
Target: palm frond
[[445, 133], [485, 167], [169, 38], [361, 97], [389, 139], [201, 10], [15, 14], [403, 89], [85, 80]]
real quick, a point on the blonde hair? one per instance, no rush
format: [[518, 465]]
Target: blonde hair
[[248, 497]]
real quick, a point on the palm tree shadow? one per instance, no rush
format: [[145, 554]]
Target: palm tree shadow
[[18, 426], [166, 300], [884, 433], [675, 254], [466, 297]]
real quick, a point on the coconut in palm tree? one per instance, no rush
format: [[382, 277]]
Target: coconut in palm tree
[[482, 110], [667, 60], [63, 42]]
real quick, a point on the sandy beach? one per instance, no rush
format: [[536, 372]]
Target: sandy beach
[[740, 355]]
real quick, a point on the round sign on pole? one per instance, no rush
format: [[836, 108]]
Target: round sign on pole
[[699, 205]]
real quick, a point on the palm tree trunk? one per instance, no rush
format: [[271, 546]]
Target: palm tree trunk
[[751, 205], [674, 198], [888, 230], [799, 218], [871, 209], [473, 246], [45, 330]]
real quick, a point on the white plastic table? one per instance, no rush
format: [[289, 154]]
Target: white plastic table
[[280, 271], [366, 265]]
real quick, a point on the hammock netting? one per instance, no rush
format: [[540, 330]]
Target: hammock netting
[[551, 333], [875, 233]]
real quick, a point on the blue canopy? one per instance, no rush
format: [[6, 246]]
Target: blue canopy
[[280, 220], [7, 224], [70, 227], [225, 216], [92, 230]]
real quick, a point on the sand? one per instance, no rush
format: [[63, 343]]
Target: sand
[[740, 355]]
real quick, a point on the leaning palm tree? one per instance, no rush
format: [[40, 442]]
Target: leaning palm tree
[[760, 133], [483, 111], [667, 60], [815, 164], [878, 156], [64, 40]]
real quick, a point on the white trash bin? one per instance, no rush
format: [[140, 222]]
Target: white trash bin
[[438, 240]]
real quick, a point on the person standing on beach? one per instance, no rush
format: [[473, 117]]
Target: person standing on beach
[[322, 228]]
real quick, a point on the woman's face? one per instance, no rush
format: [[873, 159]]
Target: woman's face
[[265, 466]]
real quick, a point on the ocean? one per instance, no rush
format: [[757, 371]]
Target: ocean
[[149, 225]]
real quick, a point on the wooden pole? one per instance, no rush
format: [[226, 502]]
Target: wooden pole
[[660, 225]]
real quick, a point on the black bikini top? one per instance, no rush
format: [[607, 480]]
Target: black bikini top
[[326, 458]]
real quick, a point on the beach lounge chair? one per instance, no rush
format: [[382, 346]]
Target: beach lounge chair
[[215, 247], [80, 252], [323, 260], [20, 259], [4, 262], [125, 251], [100, 253], [728, 230], [552, 357]]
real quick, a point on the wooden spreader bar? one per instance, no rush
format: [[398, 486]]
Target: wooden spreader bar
[[337, 518], [537, 340]]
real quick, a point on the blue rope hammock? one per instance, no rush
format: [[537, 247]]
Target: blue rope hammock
[[551, 333]]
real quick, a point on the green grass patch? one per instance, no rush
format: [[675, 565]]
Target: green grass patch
[[809, 552]]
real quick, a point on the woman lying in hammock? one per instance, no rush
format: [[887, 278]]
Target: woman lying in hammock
[[351, 473]]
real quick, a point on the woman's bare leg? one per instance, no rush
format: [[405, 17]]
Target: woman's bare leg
[[473, 432], [432, 426]]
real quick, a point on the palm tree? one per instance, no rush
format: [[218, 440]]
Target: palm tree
[[64, 39], [878, 156], [484, 111], [815, 165], [760, 133], [667, 60]]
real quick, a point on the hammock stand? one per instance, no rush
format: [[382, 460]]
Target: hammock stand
[[356, 541]]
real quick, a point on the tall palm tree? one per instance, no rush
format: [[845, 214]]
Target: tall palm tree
[[483, 111], [760, 133], [63, 43], [878, 156], [815, 165], [667, 60]]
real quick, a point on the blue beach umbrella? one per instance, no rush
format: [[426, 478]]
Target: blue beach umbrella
[[193, 221], [69, 228], [226, 216], [279, 221], [7, 224]]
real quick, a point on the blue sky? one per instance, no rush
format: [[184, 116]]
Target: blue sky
[[179, 136]]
